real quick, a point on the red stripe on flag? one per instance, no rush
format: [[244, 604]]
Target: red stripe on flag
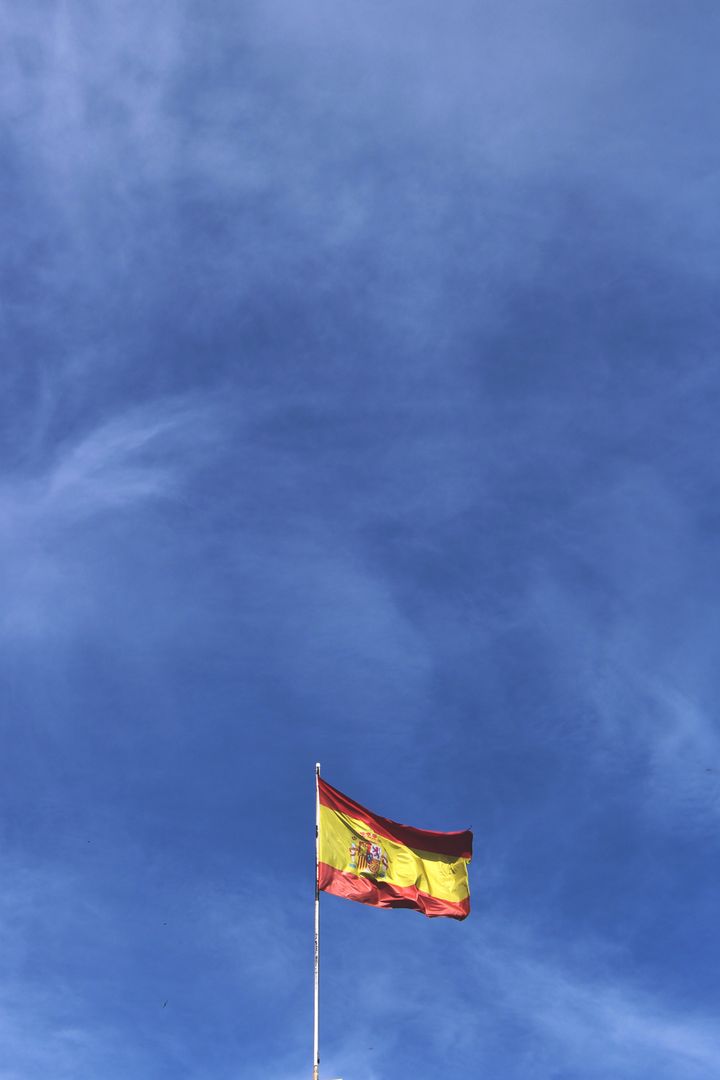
[[385, 895], [456, 844]]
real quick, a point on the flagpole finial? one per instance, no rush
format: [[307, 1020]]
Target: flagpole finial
[[317, 766]]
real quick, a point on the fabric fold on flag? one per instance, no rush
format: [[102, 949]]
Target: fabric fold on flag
[[376, 861]]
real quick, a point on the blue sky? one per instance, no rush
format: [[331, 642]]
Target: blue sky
[[359, 394]]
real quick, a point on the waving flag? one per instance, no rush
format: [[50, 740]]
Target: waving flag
[[375, 861]]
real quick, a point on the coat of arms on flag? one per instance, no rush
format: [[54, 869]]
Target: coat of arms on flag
[[367, 856]]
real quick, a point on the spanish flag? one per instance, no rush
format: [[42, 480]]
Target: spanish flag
[[369, 858]]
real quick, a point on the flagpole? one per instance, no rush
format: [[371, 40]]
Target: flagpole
[[316, 1024]]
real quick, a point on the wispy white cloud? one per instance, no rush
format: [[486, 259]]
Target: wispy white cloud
[[139, 455], [683, 741], [593, 1019], [88, 97], [626, 604], [51, 517]]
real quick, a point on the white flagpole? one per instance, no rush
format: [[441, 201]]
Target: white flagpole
[[316, 1025]]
